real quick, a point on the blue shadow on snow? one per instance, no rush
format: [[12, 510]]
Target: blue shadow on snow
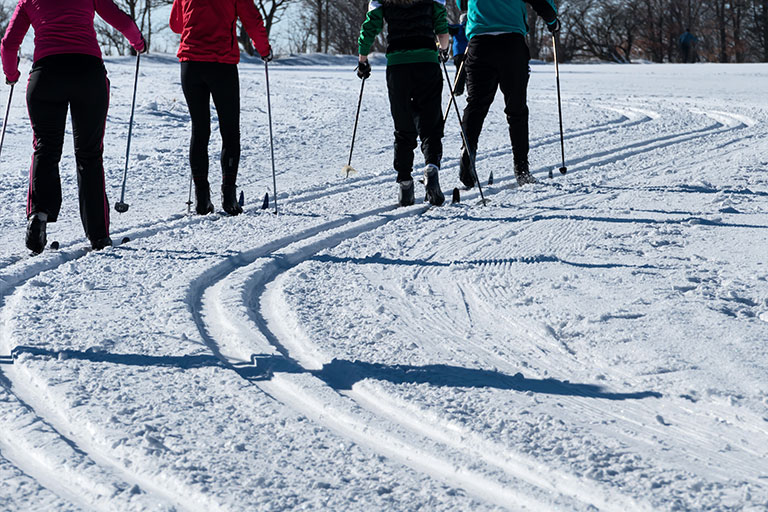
[[342, 375]]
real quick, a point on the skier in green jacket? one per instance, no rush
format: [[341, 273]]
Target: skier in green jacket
[[414, 82], [497, 57]]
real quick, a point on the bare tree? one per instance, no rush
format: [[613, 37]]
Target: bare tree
[[759, 27]]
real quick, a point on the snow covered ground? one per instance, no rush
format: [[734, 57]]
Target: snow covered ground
[[596, 341]]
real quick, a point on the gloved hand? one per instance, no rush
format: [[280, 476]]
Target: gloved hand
[[444, 55], [364, 69], [268, 57], [7, 81], [554, 27], [142, 46]]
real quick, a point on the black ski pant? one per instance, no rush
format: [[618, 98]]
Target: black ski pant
[[686, 48], [77, 83], [493, 62], [415, 101], [201, 81], [461, 74]]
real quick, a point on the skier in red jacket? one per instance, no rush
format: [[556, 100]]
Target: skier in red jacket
[[209, 55], [67, 73]]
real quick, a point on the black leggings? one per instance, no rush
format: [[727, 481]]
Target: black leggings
[[200, 81], [497, 62], [79, 83]]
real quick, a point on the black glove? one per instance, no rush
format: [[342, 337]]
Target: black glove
[[9, 82], [443, 55], [364, 69], [554, 27], [268, 57]]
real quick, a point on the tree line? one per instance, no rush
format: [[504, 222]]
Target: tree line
[[627, 30], [606, 30]]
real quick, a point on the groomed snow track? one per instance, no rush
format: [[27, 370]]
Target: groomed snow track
[[243, 316]]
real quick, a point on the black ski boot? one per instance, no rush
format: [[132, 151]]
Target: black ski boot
[[229, 200], [432, 184], [523, 173], [98, 244], [203, 204], [466, 176], [405, 195], [36, 237]]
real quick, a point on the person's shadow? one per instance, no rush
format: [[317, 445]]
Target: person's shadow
[[341, 375]]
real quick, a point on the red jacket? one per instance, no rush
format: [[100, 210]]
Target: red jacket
[[208, 29]]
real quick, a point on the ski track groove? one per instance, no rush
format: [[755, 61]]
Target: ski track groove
[[227, 334]]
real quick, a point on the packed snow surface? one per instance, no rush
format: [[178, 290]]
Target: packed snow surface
[[596, 341]]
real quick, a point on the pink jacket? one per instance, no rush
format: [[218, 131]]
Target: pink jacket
[[62, 26]]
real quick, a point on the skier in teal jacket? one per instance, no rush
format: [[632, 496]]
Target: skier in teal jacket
[[497, 57]]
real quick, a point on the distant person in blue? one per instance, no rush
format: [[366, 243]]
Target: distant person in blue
[[460, 42], [687, 43], [497, 58]]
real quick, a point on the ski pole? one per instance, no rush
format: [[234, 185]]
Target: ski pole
[[464, 136], [455, 83], [189, 201], [7, 113], [348, 169], [121, 206], [563, 169], [271, 137]]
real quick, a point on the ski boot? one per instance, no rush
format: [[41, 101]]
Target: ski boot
[[405, 195], [203, 205], [523, 173], [98, 244], [229, 200], [36, 237], [432, 184]]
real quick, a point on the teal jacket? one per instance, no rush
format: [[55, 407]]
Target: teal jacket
[[503, 16]]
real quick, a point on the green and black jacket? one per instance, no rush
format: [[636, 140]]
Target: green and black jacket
[[412, 26]]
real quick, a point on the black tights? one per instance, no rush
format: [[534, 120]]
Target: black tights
[[200, 81]]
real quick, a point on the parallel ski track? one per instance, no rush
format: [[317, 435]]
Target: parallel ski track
[[226, 331], [32, 268]]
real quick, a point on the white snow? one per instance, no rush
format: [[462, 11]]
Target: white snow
[[595, 341]]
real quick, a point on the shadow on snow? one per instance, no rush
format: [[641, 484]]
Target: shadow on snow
[[342, 375]]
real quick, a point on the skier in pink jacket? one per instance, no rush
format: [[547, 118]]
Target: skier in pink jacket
[[67, 73]]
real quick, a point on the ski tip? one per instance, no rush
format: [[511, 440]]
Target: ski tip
[[265, 203], [563, 170], [55, 245], [490, 179], [456, 196], [125, 240], [241, 201]]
